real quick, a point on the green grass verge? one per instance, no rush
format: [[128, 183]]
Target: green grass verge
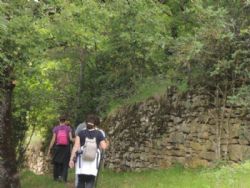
[[31, 180], [234, 176], [145, 88]]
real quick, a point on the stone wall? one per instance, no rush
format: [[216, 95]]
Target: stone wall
[[37, 161], [171, 129]]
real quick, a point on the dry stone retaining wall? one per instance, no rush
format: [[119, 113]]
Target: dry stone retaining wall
[[177, 129], [37, 161]]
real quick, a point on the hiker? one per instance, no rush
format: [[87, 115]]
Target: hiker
[[86, 151], [82, 126], [62, 135]]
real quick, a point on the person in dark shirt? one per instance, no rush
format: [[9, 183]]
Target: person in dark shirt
[[87, 170], [83, 126]]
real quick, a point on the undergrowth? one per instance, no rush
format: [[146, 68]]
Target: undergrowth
[[227, 176]]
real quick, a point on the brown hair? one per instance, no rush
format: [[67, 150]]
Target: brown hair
[[62, 119], [90, 121], [97, 121]]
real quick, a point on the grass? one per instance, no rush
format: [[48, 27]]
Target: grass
[[31, 180], [145, 88], [233, 176]]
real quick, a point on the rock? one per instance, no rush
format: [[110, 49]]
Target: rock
[[235, 153]]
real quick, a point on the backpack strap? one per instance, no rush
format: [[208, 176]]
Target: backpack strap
[[94, 134], [97, 159], [78, 156]]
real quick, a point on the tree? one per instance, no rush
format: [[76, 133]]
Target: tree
[[18, 45], [77, 31]]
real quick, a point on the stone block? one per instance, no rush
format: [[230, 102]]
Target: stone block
[[235, 153], [234, 130], [197, 146], [245, 152], [203, 135], [208, 156], [196, 162]]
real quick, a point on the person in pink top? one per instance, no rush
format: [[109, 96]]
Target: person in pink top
[[60, 142]]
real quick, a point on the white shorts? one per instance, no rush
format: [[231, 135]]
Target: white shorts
[[88, 167]]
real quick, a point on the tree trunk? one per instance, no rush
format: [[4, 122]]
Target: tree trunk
[[8, 169]]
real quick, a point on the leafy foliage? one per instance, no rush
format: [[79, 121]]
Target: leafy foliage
[[76, 57]]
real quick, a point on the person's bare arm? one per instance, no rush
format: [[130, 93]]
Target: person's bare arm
[[53, 139], [107, 142], [71, 137], [103, 145], [73, 152]]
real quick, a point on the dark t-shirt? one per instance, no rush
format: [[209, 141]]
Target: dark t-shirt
[[90, 134]]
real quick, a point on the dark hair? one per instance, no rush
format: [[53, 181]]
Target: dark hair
[[97, 121], [90, 121], [62, 118]]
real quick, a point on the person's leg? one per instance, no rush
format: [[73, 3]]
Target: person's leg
[[65, 172], [60, 171], [90, 181], [81, 181], [66, 163], [56, 171]]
